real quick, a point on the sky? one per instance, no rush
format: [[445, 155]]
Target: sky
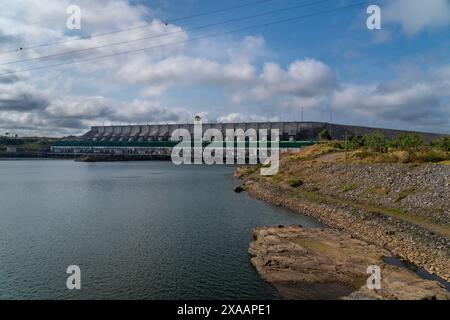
[[165, 61]]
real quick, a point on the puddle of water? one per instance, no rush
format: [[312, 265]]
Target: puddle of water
[[394, 261]]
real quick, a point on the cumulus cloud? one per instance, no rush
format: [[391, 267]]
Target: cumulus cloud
[[184, 70], [239, 117], [406, 104], [77, 114], [303, 78], [423, 102], [22, 102], [21, 97], [416, 15], [151, 111], [98, 18], [80, 107], [7, 39], [239, 78], [8, 79]]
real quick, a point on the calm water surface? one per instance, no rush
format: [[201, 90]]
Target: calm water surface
[[139, 230]]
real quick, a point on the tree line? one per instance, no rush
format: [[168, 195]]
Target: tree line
[[378, 142]]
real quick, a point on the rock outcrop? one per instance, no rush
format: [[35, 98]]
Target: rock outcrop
[[411, 242], [325, 264]]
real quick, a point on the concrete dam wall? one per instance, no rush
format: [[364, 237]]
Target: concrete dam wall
[[289, 131]]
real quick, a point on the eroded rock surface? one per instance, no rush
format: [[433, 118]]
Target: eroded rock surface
[[325, 264]]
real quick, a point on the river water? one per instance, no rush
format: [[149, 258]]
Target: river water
[[137, 230]]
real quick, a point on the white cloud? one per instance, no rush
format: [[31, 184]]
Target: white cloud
[[238, 117], [145, 111], [98, 17], [185, 71], [420, 103], [416, 15], [306, 79], [309, 79], [135, 88], [19, 96], [80, 107]]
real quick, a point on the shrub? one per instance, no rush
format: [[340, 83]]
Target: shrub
[[443, 143], [433, 156], [324, 135], [376, 141], [408, 142], [355, 143], [402, 156], [296, 183], [7, 141], [428, 155]]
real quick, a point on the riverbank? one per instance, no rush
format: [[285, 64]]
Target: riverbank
[[327, 264], [34, 155], [84, 158], [121, 157], [402, 208]]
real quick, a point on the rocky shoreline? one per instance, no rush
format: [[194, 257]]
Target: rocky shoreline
[[416, 245], [327, 264], [402, 209]]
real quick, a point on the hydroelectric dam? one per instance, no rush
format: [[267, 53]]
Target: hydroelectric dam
[[156, 139]]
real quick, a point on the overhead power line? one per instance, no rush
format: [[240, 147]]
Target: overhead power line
[[189, 40], [159, 35], [142, 26]]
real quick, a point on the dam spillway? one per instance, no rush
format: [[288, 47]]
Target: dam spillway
[[289, 131], [155, 139]]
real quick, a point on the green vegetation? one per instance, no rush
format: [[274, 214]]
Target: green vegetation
[[407, 142], [355, 143], [378, 190], [376, 142], [277, 178], [324, 135], [296, 183], [443, 144], [349, 187], [7, 141], [421, 221], [27, 144], [317, 151], [403, 194], [304, 174], [406, 148], [376, 148]]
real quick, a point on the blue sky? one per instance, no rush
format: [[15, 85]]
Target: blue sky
[[396, 77]]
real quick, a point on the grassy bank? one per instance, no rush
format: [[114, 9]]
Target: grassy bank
[[391, 178], [26, 144]]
